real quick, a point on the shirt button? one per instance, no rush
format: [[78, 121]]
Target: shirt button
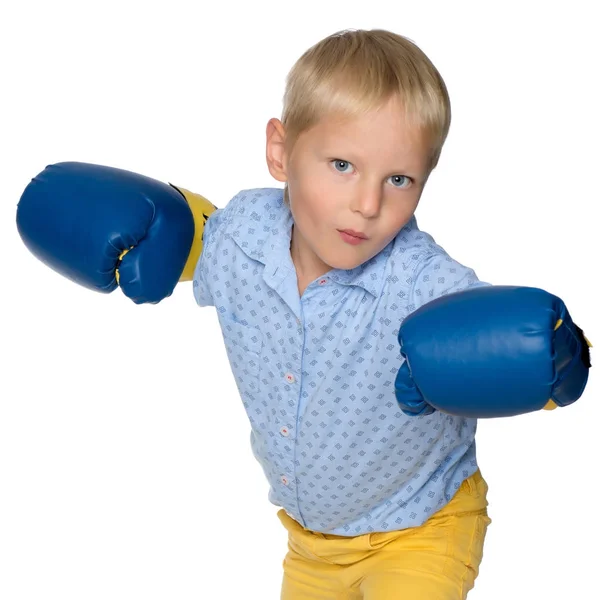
[[322, 281], [284, 480], [289, 378], [284, 431]]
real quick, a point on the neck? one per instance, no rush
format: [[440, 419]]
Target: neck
[[308, 266]]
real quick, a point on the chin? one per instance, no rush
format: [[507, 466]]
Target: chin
[[346, 264]]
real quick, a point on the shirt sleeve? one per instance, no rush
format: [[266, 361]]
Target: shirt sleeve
[[438, 275], [201, 285]]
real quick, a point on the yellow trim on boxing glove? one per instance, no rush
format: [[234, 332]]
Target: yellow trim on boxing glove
[[120, 259], [550, 405], [201, 209]]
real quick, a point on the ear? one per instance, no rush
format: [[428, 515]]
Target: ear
[[276, 157]]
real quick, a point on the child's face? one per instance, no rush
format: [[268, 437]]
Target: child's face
[[364, 175]]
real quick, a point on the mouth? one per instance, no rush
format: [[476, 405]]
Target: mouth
[[352, 237], [356, 234]]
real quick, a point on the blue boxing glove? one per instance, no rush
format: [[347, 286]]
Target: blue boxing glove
[[492, 351], [104, 227]]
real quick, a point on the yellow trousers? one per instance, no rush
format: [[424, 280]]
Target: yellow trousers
[[437, 561]]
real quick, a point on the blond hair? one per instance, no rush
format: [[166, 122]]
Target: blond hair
[[354, 71]]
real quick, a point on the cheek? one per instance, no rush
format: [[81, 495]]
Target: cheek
[[312, 211], [312, 202], [396, 219]]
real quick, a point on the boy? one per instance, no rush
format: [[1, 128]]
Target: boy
[[310, 285], [381, 494]]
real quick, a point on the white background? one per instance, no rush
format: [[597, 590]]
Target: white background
[[125, 466]]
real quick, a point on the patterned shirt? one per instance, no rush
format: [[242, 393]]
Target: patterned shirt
[[316, 373]]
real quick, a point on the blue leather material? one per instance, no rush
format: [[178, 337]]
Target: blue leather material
[[491, 352], [408, 395], [78, 218]]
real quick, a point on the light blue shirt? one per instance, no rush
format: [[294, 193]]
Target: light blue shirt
[[316, 373]]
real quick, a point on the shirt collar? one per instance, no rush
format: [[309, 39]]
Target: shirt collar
[[267, 239]]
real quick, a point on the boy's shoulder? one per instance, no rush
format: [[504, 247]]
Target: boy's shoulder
[[413, 245], [253, 203], [424, 269], [251, 219], [416, 255]]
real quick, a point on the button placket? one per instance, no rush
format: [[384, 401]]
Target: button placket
[[286, 476]]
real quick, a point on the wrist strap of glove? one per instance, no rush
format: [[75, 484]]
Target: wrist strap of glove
[[201, 209]]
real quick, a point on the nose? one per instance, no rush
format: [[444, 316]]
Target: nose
[[367, 201]]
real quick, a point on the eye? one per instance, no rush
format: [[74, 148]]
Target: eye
[[342, 164], [400, 181]]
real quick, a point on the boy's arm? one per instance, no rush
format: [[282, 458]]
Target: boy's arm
[[477, 350], [105, 228]]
